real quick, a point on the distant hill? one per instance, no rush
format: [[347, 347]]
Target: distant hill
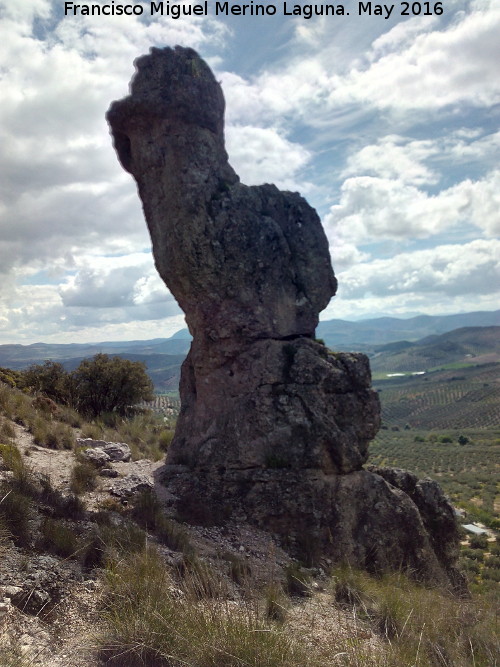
[[163, 357], [21, 356], [363, 335], [466, 346], [392, 344]]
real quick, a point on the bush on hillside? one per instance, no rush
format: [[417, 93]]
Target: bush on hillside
[[110, 384], [49, 379]]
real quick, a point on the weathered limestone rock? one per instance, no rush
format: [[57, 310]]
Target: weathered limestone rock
[[101, 452], [274, 428], [131, 485]]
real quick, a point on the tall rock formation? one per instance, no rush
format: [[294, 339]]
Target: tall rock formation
[[274, 428]]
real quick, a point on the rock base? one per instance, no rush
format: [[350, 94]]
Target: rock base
[[360, 518]]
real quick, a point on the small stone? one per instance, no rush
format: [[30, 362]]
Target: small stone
[[10, 591], [5, 607], [108, 472], [96, 456], [115, 451], [131, 485], [118, 451]]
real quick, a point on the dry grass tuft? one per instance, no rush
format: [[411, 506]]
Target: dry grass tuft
[[146, 624]]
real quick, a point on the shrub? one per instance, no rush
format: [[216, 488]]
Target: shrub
[[39, 429], [11, 457], [15, 513], [69, 416], [107, 505], [478, 542], [473, 554], [142, 433], [164, 439], [199, 580], [493, 562], [83, 478], [110, 384], [121, 540], [495, 549], [276, 604], [109, 542], [148, 512], [7, 430], [146, 509], [5, 535], [92, 430], [63, 507], [239, 569], [298, 582], [470, 566], [493, 574], [48, 433], [49, 379], [59, 436], [58, 538], [22, 481]]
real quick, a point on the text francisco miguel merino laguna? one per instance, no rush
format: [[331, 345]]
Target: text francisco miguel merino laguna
[[176, 10]]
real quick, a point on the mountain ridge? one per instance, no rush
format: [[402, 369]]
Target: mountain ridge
[[381, 339]]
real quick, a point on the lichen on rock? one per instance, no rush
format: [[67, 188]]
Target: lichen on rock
[[274, 429]]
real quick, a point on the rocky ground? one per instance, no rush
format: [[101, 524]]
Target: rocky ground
[[49, 616]]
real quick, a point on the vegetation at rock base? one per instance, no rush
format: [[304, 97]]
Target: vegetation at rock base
[[146, 625], [421, 626], [150, 624], [148, 512], [148, 433]]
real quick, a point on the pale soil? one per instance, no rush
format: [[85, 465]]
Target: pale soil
[[67, 637]]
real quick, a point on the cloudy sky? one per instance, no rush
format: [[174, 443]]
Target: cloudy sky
[[389, 127]]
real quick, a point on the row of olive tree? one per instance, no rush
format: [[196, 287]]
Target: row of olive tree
[[98, 385]]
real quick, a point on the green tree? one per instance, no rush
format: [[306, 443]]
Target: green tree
[[110, 384], [49, 379]]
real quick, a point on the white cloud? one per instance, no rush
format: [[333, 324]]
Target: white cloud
[[402, 35], [418, 66], [395, 157], [372, 209], [409, 305], [484, 202], [424, 161], [437, 69], [70, 217], [263, 155], [448, 270], [63, 192], [345, 255], [115, 282]]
